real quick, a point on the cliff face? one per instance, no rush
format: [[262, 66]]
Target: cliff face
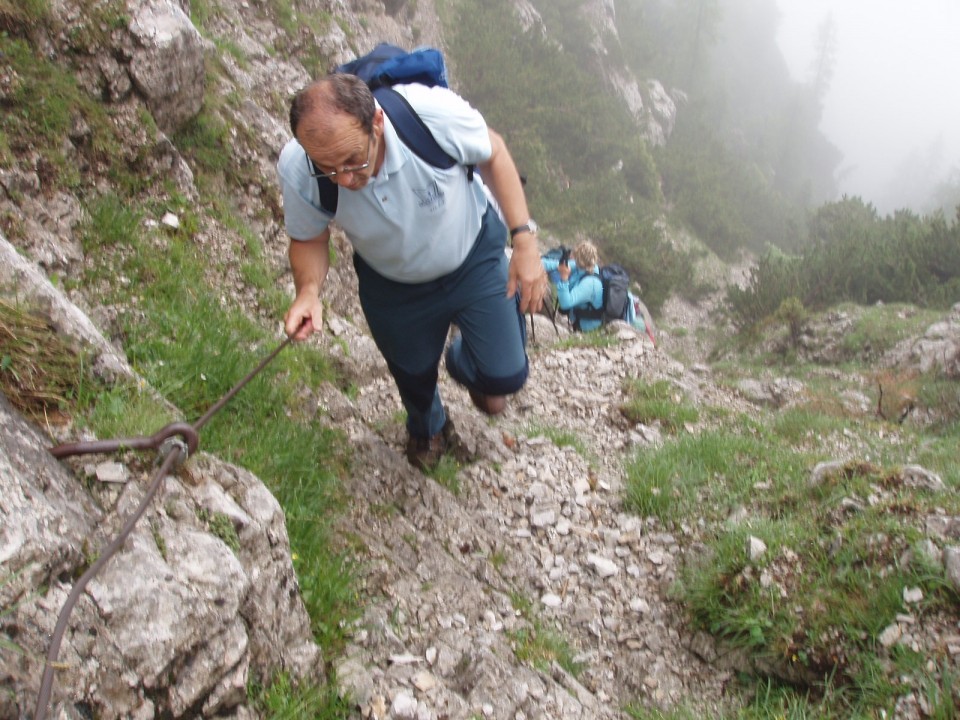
[[654, 108]]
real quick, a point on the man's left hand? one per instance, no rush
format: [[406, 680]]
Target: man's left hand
[[527, 275]]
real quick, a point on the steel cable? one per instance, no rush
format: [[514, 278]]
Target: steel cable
[[158, 441]]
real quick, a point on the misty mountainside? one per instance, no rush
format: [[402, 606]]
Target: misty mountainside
[[142, 234], [661, 119]]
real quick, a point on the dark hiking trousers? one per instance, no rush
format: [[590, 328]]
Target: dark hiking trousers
[[410, 323]]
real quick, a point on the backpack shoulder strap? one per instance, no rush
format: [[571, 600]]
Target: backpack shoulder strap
[[411, 128], [590, 312], [329, 194]]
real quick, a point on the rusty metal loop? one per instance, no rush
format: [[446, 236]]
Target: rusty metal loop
[[146, 442], [173, 452]]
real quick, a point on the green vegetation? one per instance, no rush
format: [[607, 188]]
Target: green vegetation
[[446, 474], [560, 438], [281, 699], [6, 643], [292, 19], [194, 350], [856, 256], [639, 712], [126, 410], [589, 173], [727, 203], [588, 170], [878, 328], [22, 14], [659, 402], [583, 340], [222, 527], [809, 608], [44, 105], [40, 374], [538, 644], [189, 341]]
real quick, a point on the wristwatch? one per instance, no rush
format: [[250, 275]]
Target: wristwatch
[[529, 226]]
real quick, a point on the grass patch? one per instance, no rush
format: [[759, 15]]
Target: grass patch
[[638, 711], [941, 397], [558, 436], [446, 474], [21, 14], [710, 475], [126, 410], [659, 402], [540, 645], [805, 426], [938, 453], [596, 339], [878, 328], [839, 554], [40, 374], [43, 106], [282, 699], [811, 609], [194, 347], [221, 526], [113, 222], [7, 645]]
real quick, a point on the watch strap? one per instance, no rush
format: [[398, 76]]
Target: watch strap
[[519, 229]]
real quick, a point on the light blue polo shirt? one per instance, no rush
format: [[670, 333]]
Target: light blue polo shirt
[[412, 222]]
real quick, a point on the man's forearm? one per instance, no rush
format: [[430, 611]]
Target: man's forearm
[[309, 263], [501, 176]]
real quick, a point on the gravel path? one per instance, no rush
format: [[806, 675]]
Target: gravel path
[[532, 546]]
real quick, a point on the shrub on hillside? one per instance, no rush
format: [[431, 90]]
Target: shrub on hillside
[[648, 256], [856, 256]]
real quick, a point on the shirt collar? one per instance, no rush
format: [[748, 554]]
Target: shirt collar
[[394, 156]]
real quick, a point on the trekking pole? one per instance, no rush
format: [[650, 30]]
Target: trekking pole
[[553, 319], [161, 441]]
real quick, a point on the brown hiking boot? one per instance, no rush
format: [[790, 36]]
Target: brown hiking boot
[[489, 404], [425, 453]]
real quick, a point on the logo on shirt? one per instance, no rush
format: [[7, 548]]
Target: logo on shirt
[[431, 198]]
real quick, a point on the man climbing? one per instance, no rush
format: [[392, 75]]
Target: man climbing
[[428, 247]]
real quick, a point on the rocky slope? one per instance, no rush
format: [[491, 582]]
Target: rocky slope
[[529, 519]]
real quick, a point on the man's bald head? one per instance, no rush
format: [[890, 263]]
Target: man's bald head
[[321, 106]]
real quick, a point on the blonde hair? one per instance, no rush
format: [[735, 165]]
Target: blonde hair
[[586, 256]]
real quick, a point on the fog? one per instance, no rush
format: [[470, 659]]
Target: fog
[[893, 103]]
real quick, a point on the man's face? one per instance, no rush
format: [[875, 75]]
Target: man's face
[[347, 153]]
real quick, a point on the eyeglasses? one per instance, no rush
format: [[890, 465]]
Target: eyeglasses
[[345, 170]]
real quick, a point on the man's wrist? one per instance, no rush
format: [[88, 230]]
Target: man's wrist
[[530, 228], [525, 243]]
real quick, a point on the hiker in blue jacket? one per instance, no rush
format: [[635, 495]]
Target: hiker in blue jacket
[[579, 286], [428, 247]]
